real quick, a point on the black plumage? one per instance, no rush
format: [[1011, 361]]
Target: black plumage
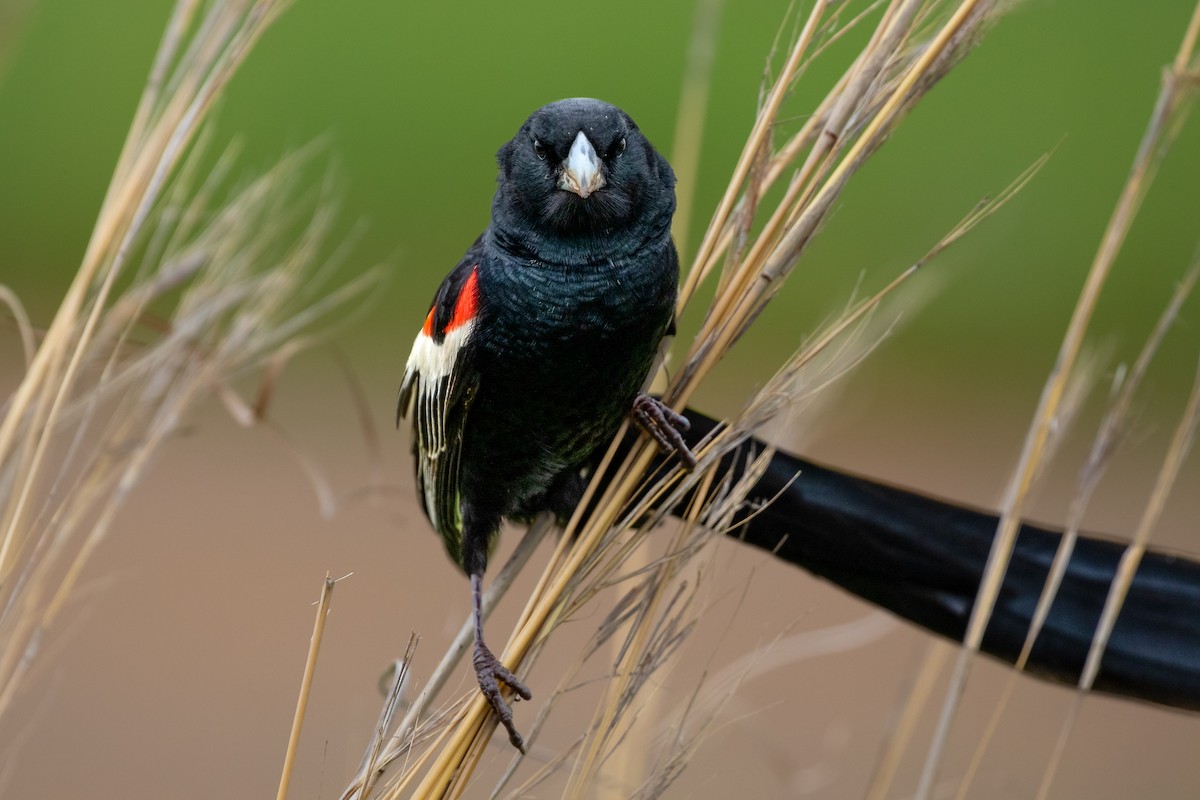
[[923, 559], [538, 343]]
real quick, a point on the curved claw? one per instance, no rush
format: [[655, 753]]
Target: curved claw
[[489, 670], [664, 426]]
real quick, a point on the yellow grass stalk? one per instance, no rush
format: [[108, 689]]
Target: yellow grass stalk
[[1177, 81], [310, 669], [110, 382], [1113, 429], [689, 122], [1181, 442]]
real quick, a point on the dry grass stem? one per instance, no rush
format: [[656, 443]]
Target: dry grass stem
[[185, 286], [693, 105], [415, 723], [310, 669], [922, 689], [21, 319], [820, 180], [1113, 430], [758, 135], [369, 769], [1181, 443], [1176, 84]]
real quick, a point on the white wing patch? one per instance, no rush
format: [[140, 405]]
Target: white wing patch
[[431, 381], [433, 360]]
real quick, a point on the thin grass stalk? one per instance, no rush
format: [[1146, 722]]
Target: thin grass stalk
[[1181, 443], [893, 28], [1112, 430], [54, 343], [540, 775], [738, 222], [401, 741], [369, 766], [1060, 747], [693, 105], [128, 201], [633, 651], [653, 636], [735, 286], [766, 118], [114, 396], [1145, 162], [21, 319], [628, 760], [759, 282], [133, 178], [310, 669], [906, 723], [566, 682]]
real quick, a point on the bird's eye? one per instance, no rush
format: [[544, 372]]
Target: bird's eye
[[539, 149], [620, 148]]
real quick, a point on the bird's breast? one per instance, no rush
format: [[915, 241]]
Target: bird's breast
[[560, 353], [540, 312]]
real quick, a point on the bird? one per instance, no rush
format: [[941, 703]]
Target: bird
[[538, 344]]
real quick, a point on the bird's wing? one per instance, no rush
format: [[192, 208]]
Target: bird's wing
[[437, 390]]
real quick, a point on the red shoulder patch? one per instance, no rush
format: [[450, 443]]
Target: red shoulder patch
[[466, 305]]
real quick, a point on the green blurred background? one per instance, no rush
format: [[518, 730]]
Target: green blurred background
[[412, 101]]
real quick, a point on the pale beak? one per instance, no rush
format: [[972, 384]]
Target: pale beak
[[581, 171]]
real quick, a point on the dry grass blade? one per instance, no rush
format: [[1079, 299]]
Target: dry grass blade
[[907, 54], [21, 319], [414, 724], [543, 773], [1113, 429], [1181, 442], [905, 725], [822, 178], [161, 133], [693, 103], [1177, 82], [310, 669], [369, 769], [758, 135], [185, 286], [651, 637]]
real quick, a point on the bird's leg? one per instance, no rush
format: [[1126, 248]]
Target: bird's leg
[[664, 426], [488, 670]]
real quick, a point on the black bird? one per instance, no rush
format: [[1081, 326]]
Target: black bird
[[539, 342]]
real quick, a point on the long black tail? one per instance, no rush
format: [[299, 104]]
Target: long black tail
[[923, 560]]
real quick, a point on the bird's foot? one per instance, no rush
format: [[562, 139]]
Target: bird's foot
[[664, 426], [488, 670]]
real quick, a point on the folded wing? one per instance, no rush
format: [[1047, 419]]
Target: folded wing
[[439, 384]]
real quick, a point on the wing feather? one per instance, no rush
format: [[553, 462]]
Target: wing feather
[[439, 385]]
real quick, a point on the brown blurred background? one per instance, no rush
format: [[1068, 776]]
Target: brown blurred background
[[175, 671]]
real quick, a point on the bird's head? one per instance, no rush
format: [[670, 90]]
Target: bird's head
[[582, 166]]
